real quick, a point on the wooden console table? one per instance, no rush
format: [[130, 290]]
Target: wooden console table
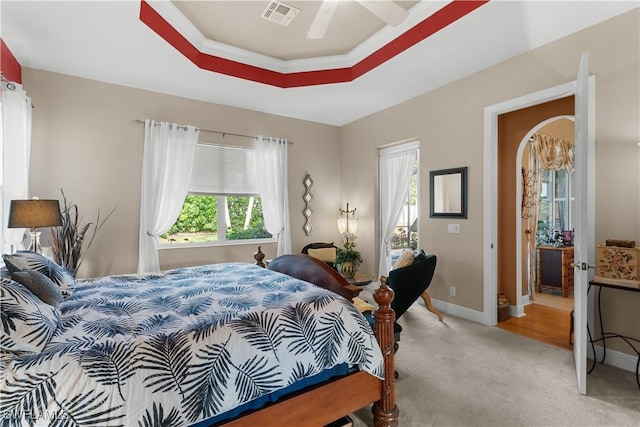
[[632, 342], [554, 269]]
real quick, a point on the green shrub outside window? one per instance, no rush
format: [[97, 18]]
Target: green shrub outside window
[[203, 220]]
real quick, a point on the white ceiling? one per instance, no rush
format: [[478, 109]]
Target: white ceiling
[[106, 41]]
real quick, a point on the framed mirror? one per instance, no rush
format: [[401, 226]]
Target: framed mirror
[[448, 193]]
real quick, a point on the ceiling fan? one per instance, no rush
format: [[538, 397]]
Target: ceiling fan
[[386, 10]]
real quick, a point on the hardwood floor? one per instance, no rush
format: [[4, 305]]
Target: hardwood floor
[[546, 320]]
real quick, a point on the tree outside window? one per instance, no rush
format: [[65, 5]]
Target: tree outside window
[[217, 218]]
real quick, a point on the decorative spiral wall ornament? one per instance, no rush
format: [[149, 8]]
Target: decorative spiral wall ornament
[[308, 182], [529, 193]]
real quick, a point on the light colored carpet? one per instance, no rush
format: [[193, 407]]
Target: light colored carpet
[[461, 373]]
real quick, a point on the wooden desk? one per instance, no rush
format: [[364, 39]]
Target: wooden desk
[[633, 342], [554, 269]]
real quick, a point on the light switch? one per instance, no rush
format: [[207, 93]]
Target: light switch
[[453, 228]]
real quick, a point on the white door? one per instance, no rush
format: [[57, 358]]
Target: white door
[[584, 210]]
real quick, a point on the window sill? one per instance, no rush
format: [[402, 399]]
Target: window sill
[[251, 242]]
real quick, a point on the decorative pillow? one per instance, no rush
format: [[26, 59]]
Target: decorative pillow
[[40, 285], [406, 258], [420, 257], [362, 305], [27, 260], [324, 254], [27, 323]]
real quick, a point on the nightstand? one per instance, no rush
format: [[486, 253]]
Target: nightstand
[[554, 269]]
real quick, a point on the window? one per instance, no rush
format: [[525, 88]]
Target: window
[[405, 229], [405, 234], [554, 214], [223, 204]]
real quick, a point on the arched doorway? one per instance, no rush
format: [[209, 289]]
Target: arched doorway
[[551, 206], [544, 294]]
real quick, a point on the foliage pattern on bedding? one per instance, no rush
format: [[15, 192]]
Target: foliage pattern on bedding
[[181, 346]]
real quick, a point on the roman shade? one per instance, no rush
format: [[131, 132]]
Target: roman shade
[[224, 170]]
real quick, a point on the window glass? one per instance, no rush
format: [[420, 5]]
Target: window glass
[[222, 204], [554, 215]]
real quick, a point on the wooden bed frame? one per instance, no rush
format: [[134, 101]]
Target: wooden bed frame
[[322, 404]]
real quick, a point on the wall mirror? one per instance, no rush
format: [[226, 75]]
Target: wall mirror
[[448, 193]]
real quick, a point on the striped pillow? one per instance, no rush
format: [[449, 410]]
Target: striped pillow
[[27, 260]]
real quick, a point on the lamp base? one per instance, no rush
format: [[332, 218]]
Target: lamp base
[[35, 241]]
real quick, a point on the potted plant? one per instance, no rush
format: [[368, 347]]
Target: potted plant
[[71, 241], [347, 258]]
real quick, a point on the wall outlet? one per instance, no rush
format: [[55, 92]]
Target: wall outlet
[[453, 228], [452, 291]]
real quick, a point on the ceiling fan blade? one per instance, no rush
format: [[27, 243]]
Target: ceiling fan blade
[[321, 21], [386, 10]]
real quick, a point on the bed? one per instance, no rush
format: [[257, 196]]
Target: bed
[[222, 344]]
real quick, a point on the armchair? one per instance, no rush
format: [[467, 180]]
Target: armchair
[[411, 282]]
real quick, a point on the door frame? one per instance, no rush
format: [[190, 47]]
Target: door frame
[[490, 186]]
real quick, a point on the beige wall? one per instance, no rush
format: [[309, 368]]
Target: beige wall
[[449, 123], [85, 142]]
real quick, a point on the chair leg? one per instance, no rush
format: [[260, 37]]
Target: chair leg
[[427, 302]]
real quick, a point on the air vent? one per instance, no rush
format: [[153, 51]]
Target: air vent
[[279, 13]]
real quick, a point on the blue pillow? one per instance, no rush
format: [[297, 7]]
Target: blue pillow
[[27, 260], [27, 323], [40, 285]]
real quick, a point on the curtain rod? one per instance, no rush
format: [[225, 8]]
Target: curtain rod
[[138, 121], [10, 85]]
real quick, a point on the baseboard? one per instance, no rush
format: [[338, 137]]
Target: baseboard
[[458, 311], [615, 358], [516, 310]]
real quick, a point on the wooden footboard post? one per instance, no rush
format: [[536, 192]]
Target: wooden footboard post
[[385, 411]]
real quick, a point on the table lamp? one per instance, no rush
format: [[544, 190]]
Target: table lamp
[[32, 214], [346, 224]]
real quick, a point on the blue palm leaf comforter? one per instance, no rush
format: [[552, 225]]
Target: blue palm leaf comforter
[[182, 346]]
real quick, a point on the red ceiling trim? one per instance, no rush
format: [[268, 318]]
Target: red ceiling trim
[[9, 65], [429, 26]]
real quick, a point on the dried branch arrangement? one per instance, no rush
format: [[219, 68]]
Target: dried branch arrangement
[[72, 240]]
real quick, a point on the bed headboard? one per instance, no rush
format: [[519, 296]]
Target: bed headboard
[[309, 269]]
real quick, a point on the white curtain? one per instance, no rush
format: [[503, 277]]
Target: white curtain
[[169, 151], [271, 166], [396, 169], [15, 154]]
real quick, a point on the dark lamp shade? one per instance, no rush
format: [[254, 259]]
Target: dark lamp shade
[[34, 213]]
